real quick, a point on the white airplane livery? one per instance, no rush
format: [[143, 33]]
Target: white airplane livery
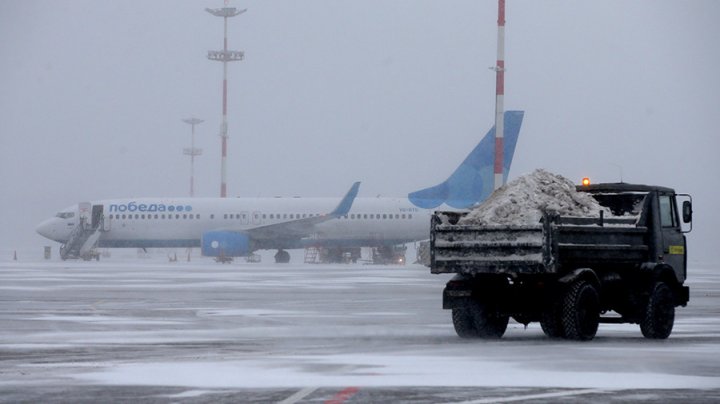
[[235, 227]]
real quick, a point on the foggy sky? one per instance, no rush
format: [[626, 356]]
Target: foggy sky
[[393, 94]]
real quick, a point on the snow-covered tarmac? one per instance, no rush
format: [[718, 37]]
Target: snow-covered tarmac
[[151, 330]]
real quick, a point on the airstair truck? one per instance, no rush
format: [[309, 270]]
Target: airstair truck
[[569, 273]]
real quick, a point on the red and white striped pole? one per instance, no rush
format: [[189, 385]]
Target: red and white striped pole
[[499, 96], [225, 56]]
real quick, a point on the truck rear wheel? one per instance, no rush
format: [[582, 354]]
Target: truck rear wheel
[[479, 320], [659, 316], [581, 311]]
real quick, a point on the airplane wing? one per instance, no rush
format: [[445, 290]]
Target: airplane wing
[[303, 227]]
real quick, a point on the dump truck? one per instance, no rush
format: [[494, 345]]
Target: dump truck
[[628, 265]]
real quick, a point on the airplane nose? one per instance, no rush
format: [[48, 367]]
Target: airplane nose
[[45, 229]]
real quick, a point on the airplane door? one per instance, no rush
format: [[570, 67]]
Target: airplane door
[[97, 216]]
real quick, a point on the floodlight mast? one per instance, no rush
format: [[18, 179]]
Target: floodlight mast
[[225, 56], [500, 96], [192, 151]]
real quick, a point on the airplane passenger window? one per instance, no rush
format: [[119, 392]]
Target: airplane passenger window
[[137, 216], [384, 216], [291, 216], [212, 216], [304, 215], [409, 216], [397, 216], [177, 216], [123, 216]]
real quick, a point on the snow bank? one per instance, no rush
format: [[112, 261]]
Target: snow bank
[[523, 201]]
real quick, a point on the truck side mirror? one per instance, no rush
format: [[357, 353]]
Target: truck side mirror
[[687, 211]]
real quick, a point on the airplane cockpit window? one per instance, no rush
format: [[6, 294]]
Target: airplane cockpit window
[[65, 215]]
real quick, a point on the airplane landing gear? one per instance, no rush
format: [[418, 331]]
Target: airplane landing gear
[[282, 257]]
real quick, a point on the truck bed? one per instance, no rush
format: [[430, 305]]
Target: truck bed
[[555, 245]]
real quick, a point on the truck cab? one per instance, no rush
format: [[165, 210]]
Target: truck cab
[[657, 209]]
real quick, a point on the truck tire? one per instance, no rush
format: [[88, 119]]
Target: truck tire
[[659, 315], [580, 311], [476, 320]]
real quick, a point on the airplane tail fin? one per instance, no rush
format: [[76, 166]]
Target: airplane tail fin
[[473, 180], [346, 203]]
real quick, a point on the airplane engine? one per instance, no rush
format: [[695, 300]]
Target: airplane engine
[[225, 244]]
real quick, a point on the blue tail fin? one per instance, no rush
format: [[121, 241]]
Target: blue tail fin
[[472, 182]]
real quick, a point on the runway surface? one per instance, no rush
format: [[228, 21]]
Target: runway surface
[[151, 331]]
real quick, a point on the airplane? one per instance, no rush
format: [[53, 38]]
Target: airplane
[[235, 227]]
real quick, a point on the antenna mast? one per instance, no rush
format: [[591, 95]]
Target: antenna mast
[[192, 151]]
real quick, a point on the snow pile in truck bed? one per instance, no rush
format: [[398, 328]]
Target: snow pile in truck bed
[[522, 201]]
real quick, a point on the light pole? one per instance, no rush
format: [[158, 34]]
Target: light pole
[[224, 56], [192, 151]]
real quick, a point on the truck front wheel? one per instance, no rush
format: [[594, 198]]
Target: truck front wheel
[[479, 320], [659, 316], [581, 311]]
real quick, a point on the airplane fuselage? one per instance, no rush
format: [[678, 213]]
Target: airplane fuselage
[[181, 222]]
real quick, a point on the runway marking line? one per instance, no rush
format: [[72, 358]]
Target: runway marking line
[[343, 396], [298, 396], [566, 393]]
